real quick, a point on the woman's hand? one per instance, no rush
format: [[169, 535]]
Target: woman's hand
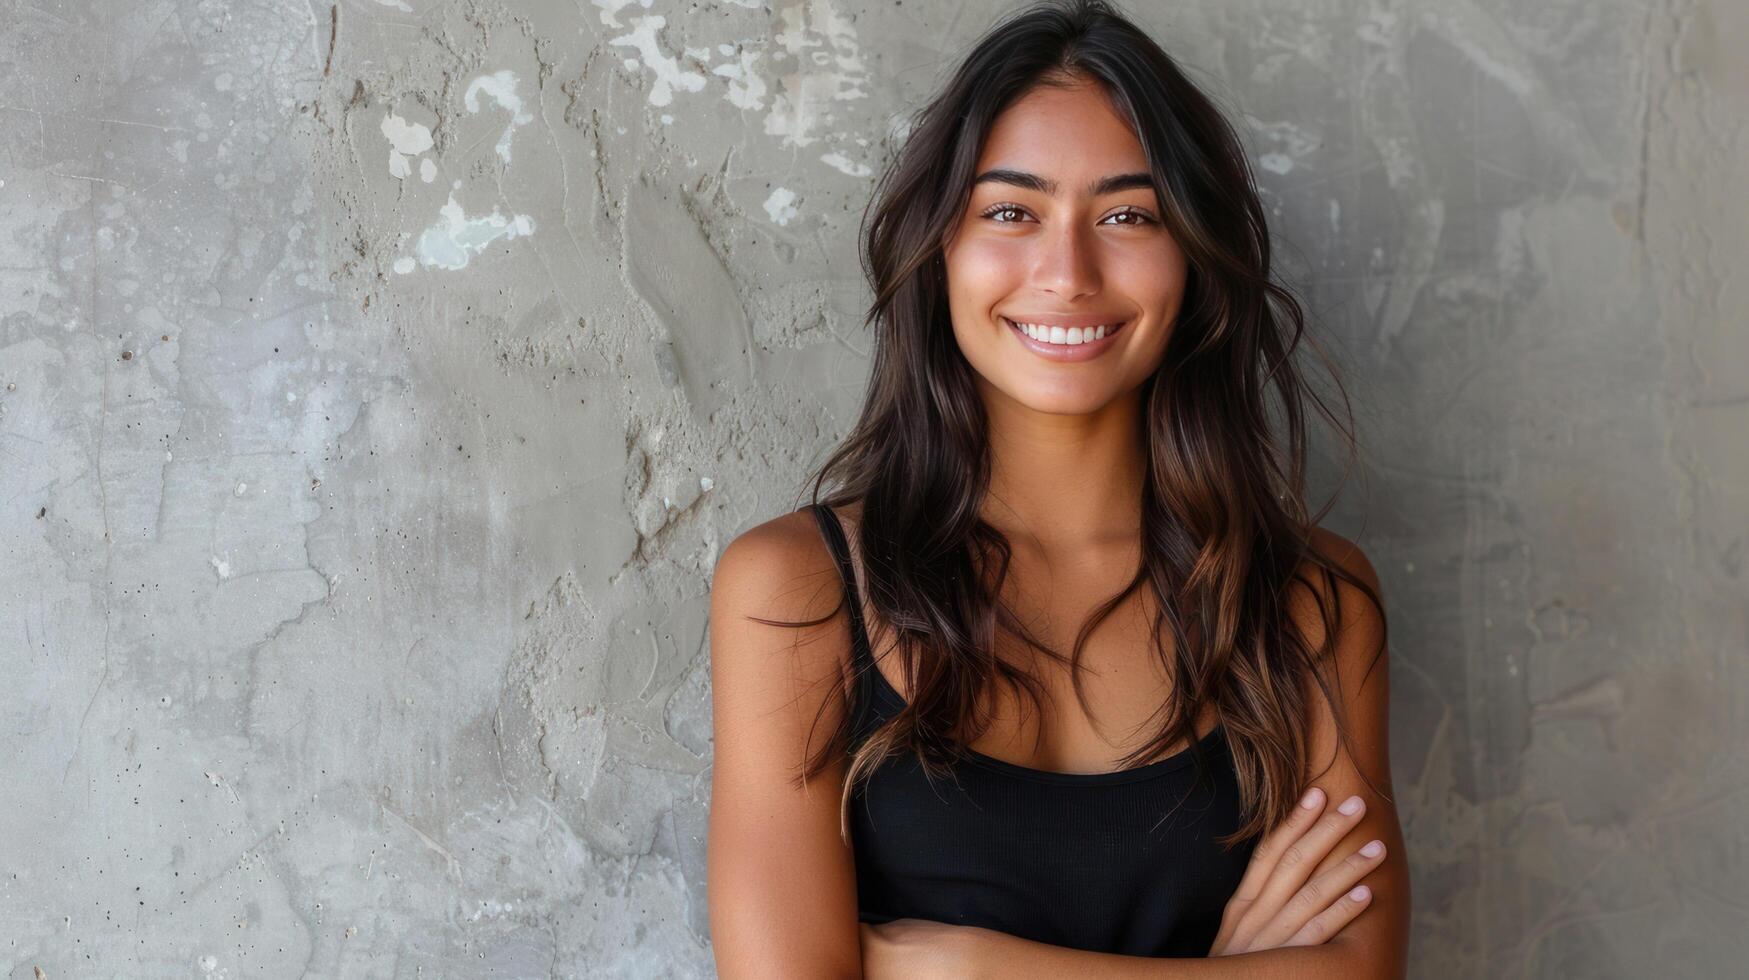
[[1276, 905], [920, 948]]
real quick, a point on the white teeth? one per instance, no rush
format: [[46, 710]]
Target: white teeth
[[1069, 337]]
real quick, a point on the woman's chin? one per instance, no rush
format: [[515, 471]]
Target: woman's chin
[[1077, 401]]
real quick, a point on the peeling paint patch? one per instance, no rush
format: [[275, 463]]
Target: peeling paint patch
[[406, 139], [669, 75], [828, 69], [610, 9], [746, 89], [500, 86], [781, 205], [456, 238], [844, 164], [1295, 142]]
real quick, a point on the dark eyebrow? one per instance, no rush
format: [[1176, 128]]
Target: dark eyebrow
[[1044, 185]]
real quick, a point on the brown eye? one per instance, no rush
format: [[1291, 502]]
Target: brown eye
[[1143, 219], [994, 210]]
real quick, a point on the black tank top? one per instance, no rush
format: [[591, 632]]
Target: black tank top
[[1085, 860]]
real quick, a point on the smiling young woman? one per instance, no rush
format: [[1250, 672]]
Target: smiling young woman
[[1083, 430]]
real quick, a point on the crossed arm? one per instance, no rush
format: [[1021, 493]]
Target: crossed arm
[[1373, 943], [782, 882]]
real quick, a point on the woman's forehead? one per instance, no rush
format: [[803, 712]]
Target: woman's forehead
[[1033, 134]]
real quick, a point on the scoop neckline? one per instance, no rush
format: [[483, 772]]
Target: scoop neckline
[[1172, 763]]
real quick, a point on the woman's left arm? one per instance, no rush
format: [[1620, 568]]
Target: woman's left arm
[[1376, 942]]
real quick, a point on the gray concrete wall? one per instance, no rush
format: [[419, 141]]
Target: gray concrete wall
[[379, 381]]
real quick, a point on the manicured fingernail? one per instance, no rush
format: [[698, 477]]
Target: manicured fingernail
[[1350, 806], [1373, 849], [1313, 797], [1359, 893]]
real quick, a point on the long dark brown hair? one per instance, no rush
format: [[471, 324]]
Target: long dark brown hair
[[1224, 527]]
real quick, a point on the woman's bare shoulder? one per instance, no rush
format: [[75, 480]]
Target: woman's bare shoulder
[[1312, 585], [782, 547], [781, 569], [788, 542], [1329, 608]]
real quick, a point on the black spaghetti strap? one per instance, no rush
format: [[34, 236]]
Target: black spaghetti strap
[[833, 530]]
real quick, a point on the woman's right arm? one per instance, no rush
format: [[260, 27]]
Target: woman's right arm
[[781, 883]]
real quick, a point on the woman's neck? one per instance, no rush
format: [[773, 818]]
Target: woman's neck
[[1065, 480]]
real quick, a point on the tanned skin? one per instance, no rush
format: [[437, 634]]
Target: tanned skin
[[1039, 237]]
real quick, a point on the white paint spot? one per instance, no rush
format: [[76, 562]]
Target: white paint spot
[[669, 75], [456, 238], [427, 170], [492, 908], [406, 139], [222, 81], [501, 87], [746, 87], [291, 396], [844, 164], [241, 489], [828, 68], [781, 205], [404, 265], [209, 963], [667, 120], [224, 569], [610, 9], [1295, 143], [400, 5], [705, 483], [1277, 163]]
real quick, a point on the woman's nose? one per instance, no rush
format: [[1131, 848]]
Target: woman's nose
[[1066, 263]]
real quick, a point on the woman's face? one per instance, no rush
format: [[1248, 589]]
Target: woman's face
[[1041, 242]]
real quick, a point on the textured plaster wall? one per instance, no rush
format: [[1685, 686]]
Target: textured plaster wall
[[379, 381]]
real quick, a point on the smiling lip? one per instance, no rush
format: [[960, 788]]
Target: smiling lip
[[1068, 352], [1066, 320]]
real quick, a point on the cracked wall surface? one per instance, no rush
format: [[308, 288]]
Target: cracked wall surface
[[380, 379]]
